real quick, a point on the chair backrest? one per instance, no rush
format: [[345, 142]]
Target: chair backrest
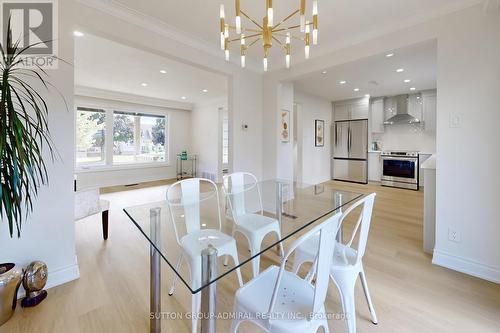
[[187, 195], [239, 188], [362, 225], [324, 256]]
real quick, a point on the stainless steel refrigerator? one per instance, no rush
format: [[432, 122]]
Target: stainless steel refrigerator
[[350, 151]]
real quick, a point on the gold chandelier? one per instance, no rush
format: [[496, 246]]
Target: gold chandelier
[[268, 32]]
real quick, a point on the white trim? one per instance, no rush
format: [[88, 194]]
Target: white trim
[[131, 98], [466, 266], [115, 167], [58, 277]]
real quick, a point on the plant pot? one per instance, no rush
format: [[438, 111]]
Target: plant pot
[[10, 280]]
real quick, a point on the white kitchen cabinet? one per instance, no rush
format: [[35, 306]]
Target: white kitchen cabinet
[[429, 100], [378, 116], [351, 109], [374, 166]]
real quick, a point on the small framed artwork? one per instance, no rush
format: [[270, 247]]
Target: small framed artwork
[[319, 133], [318, 189], [285, 126]]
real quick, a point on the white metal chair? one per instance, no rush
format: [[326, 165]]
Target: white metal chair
[[247, 213], [185, 199], [347, 261], [291, 304]]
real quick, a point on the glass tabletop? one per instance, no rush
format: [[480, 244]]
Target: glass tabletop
[[184, 224]]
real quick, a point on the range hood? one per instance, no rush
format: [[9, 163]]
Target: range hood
[[399, 106]]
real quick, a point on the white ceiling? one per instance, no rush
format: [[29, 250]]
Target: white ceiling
[[104, 64], [419, 62], [341, 21]]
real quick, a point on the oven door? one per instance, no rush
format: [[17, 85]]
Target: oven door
[[400, 169]]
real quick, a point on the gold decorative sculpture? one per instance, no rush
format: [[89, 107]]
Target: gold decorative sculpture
[[10, 280], [35, 278]]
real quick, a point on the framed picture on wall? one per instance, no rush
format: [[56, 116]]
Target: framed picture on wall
[[319, 133], [285, 126]]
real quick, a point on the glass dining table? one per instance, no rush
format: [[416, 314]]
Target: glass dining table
[[297, 208]]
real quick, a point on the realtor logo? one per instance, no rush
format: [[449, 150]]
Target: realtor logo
[[32, 22]]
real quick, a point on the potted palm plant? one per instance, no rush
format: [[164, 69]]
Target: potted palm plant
[[24, 142]]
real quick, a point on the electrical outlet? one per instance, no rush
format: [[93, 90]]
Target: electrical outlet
[[455, 120], [454, 235]]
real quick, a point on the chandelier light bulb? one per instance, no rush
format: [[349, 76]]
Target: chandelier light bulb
[[315, 36], [243, 61], [270, 17], [226, 31], [222, 15], [302, 23], [242, 39], [315, 7], [222, 41], [308, 28], [287, 61], [264, 62], [306, 51], [238, 24], [226, 52], [287, 38]]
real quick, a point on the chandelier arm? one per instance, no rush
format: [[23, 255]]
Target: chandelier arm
[[252, 43], [278, 41], [246, 37], [290, 28], [291, 36], [286, 19], [251, 19]]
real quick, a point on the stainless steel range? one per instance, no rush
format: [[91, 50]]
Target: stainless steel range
[[400, 169]]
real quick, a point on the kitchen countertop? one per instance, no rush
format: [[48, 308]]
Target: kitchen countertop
[[430, 163]]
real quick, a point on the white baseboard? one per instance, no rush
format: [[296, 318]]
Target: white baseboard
[[58, 277], [466, 266]]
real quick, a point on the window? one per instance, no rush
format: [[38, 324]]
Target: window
[[135, 138], [138, 138], [90, 136]]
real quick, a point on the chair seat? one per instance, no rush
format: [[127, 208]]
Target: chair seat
[[194, 243], [295, 297], [257, 223], [343, 256]]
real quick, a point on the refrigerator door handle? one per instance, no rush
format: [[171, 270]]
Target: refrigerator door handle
[[349, 140]]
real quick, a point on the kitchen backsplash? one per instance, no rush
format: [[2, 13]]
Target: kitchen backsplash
[[406, 137]]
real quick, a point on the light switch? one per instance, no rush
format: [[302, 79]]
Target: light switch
[[455, 120]]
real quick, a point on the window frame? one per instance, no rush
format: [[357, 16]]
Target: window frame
[[109, 110]]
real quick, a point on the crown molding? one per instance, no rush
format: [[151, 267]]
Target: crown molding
[[147, 22]]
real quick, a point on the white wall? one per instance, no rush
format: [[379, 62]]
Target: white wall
[[245, 86], [285, 149], [49, 234], [467, 156], [468, 85], [207, 136], [179, 139], [316, 161]]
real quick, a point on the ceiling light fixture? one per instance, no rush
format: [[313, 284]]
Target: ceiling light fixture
[[413, 88], [144, 84], [324, 72], [356, 89], [407, 81], [183, 97], [268, 30], [205, 90], [77, 33], [367, 95], [400, 70], [163, 71], [343, 82], [389, 55]]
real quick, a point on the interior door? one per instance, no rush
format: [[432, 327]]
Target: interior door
[[341, 149], [358, 139]]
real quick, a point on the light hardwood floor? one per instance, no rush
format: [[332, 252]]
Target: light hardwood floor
[[409, 293]]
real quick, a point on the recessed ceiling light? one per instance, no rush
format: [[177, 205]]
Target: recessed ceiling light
[[388, 55], [205, 90], [407, 81], [413, 88], [400, 70], [367, 95], [324, 72], [183, 97], [356, 89], [343, 82], [144, 84], [163, 71], [77, 33]]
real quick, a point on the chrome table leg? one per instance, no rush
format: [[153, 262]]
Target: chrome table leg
[[209, 293], [279, 207], [338, 202], [155, 273]]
